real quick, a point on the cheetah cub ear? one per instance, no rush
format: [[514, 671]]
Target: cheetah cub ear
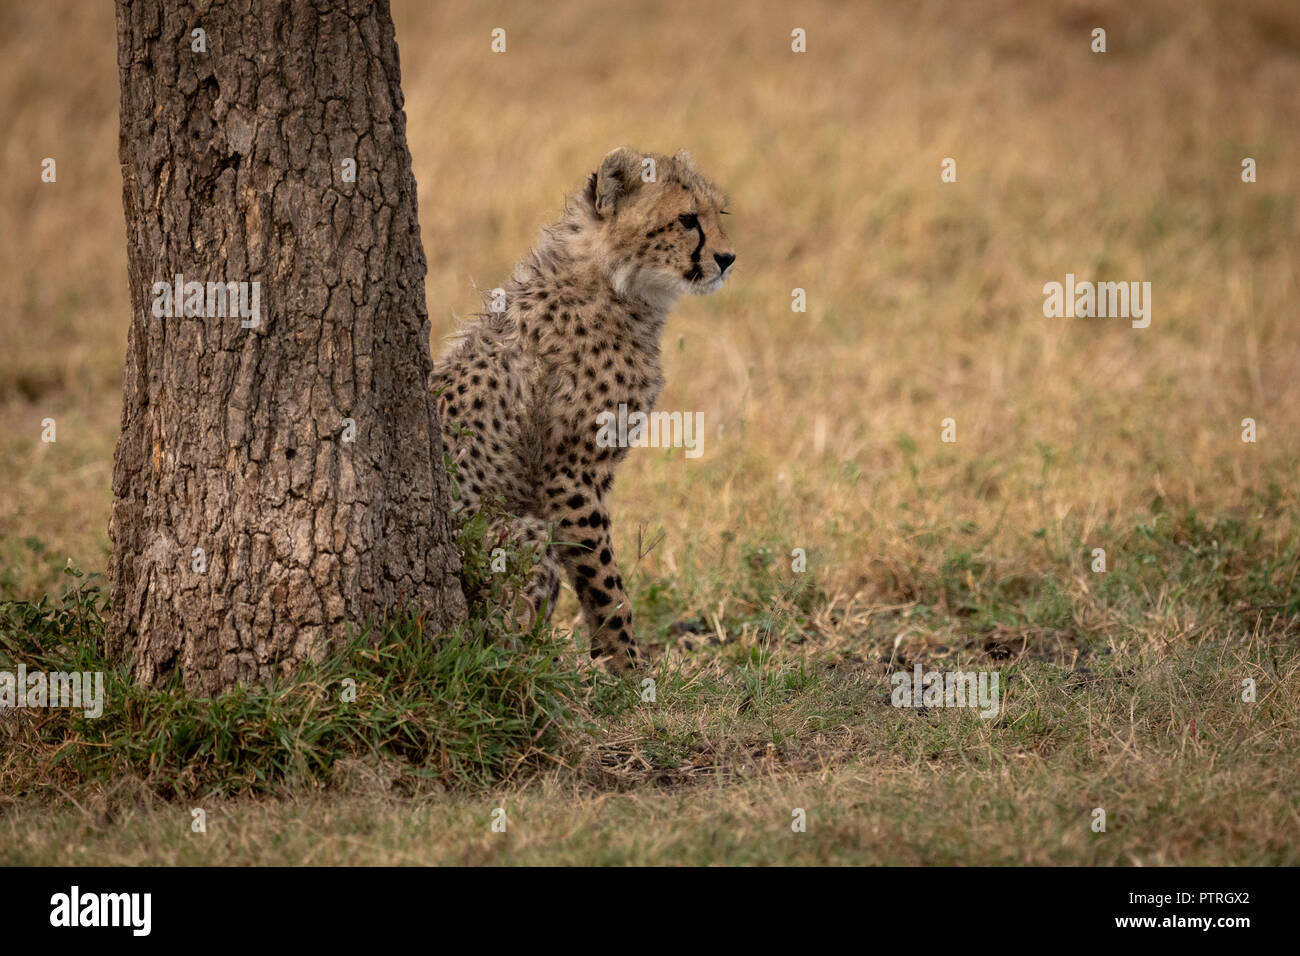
[[619, 175]]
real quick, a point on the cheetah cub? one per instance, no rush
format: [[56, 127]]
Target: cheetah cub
[[520, 388]]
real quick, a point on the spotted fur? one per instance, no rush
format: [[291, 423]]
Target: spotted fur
[[519, 390]]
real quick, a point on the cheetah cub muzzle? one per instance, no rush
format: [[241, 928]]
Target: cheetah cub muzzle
[[520, 387]]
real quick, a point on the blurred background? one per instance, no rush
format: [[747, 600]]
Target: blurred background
[[924, 299]]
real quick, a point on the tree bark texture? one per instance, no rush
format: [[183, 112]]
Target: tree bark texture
[[251, 523]]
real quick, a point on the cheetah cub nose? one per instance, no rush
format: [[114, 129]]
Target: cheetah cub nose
[[724, 260]]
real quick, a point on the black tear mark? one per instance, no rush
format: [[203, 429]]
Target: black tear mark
[[694, 272]]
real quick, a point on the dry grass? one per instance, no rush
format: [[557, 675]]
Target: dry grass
[[823, 427], [1185, 772]]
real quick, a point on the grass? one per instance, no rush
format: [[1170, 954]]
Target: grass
[[741, 730], [460, 710], [1122, 688]]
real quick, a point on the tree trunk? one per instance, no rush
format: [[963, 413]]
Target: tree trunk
[[279, 476]]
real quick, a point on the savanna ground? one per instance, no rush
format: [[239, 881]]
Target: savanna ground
[[1122, 690]]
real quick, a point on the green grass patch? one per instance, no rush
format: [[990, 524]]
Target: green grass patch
[[473, 707]]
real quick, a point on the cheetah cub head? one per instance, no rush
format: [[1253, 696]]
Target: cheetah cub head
[[659, 226]]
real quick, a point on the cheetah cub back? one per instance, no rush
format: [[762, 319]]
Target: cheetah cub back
[[520, 389]]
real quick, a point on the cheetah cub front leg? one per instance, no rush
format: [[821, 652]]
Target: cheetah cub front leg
[[581, 520]]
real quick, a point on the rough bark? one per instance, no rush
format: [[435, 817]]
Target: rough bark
[[233, 438]]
